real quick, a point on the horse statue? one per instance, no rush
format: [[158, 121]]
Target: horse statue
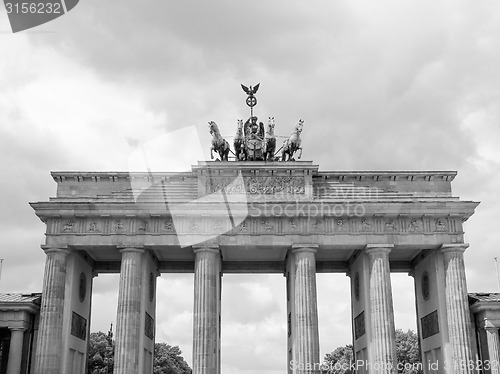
[[269, 141], [239, 143], [292, 144], [219, 144]]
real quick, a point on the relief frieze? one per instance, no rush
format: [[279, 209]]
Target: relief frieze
[[415, 225], [342, 225], [366, 225], [257, 185], [370, 225], [142, 226], [93, 227], [168, 225], [440, 225], [69, 226], [118, 225], [390, 226], [266, 224], [316, 225], [243, 227]]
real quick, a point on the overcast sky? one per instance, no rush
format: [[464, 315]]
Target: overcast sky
[[385, 85]]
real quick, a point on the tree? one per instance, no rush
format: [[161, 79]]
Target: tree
[[339, 361], [407, 353], [101, 353], [166, 360]]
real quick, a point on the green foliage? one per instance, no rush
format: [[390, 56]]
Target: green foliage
[[167, 359], [407, 352]]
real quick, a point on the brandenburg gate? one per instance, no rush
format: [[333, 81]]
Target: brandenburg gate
[[284, 217]]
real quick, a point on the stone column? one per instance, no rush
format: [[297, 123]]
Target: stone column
[[128, 318], [382, 347], [15, 350], [493, 349], [48, 353], [206, 340], [306, 352], [457, 308]]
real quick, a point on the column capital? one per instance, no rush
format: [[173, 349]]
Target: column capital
[[378, 248], [17, 328], [53, 249], [454, 248], [297, 248], [491, 328], [208, 248], [128, 249], [489, 324]]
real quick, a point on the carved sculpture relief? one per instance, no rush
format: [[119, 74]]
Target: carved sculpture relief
[[414, 226], [341, 225], [93, 227], [327, 225], [143, 225], [316, 225], [257, 185], [193, 226], [440, 225], [119, 225], [218, 225], [390, 226], [366, 226], [267, 226], [169, 225], [69, 226], [243, 226]]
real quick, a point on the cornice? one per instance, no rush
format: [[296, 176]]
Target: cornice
[[393, 175], [63, 207], [428, 175]]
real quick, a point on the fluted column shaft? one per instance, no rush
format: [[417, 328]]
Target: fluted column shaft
[[48, 353], [206, 311], [306, 353], [128, 319], [457, 308], [493, 349], [382, 352], [15, 350]]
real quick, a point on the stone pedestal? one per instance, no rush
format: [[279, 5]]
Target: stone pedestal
[[303, 310], [128, 320], [15, 350], [382, 347], [493, 349], [49, 346], [457, 308], [206, 329]]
